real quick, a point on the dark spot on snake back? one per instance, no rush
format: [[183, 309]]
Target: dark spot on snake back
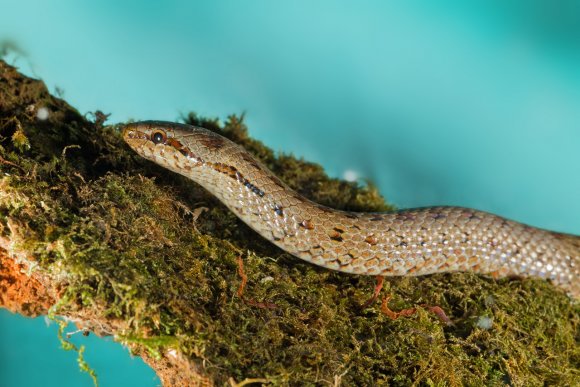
[[335, 236], [278, 210], [371, 240]]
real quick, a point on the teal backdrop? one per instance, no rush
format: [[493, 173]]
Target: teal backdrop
[[451, 102]]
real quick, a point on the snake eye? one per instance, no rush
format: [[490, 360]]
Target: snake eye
[[158, 137]]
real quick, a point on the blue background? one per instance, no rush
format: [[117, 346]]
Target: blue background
[[461, 103]]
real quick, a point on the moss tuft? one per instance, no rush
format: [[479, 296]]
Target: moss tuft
[[20, 141]]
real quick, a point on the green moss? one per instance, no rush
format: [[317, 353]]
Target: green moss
[[20, 141], [130, 246], [68, 346]]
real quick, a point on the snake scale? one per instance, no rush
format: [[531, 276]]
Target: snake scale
[[408, 242]]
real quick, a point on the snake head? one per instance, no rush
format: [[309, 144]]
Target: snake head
[[147, 134], [178, 147]]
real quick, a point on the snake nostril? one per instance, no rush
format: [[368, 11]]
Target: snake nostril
[[128, 133]]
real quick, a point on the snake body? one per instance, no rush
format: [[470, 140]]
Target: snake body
[[408, 242]]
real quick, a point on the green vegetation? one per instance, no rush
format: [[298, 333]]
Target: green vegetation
[[136, 257]]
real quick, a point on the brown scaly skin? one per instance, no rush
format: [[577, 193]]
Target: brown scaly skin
[[410, 242]]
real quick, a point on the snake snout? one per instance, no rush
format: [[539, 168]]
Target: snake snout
[[134, 132], [128, 133]]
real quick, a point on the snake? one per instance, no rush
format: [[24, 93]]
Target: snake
[[408, 242]]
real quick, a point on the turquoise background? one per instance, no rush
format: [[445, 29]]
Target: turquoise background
[[461, 103]]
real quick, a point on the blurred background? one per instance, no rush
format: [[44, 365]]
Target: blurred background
[[459, 103]]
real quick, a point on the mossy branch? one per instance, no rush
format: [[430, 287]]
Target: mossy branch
[[123, 248]]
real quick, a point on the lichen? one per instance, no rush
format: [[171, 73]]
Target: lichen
[[151, 258]]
